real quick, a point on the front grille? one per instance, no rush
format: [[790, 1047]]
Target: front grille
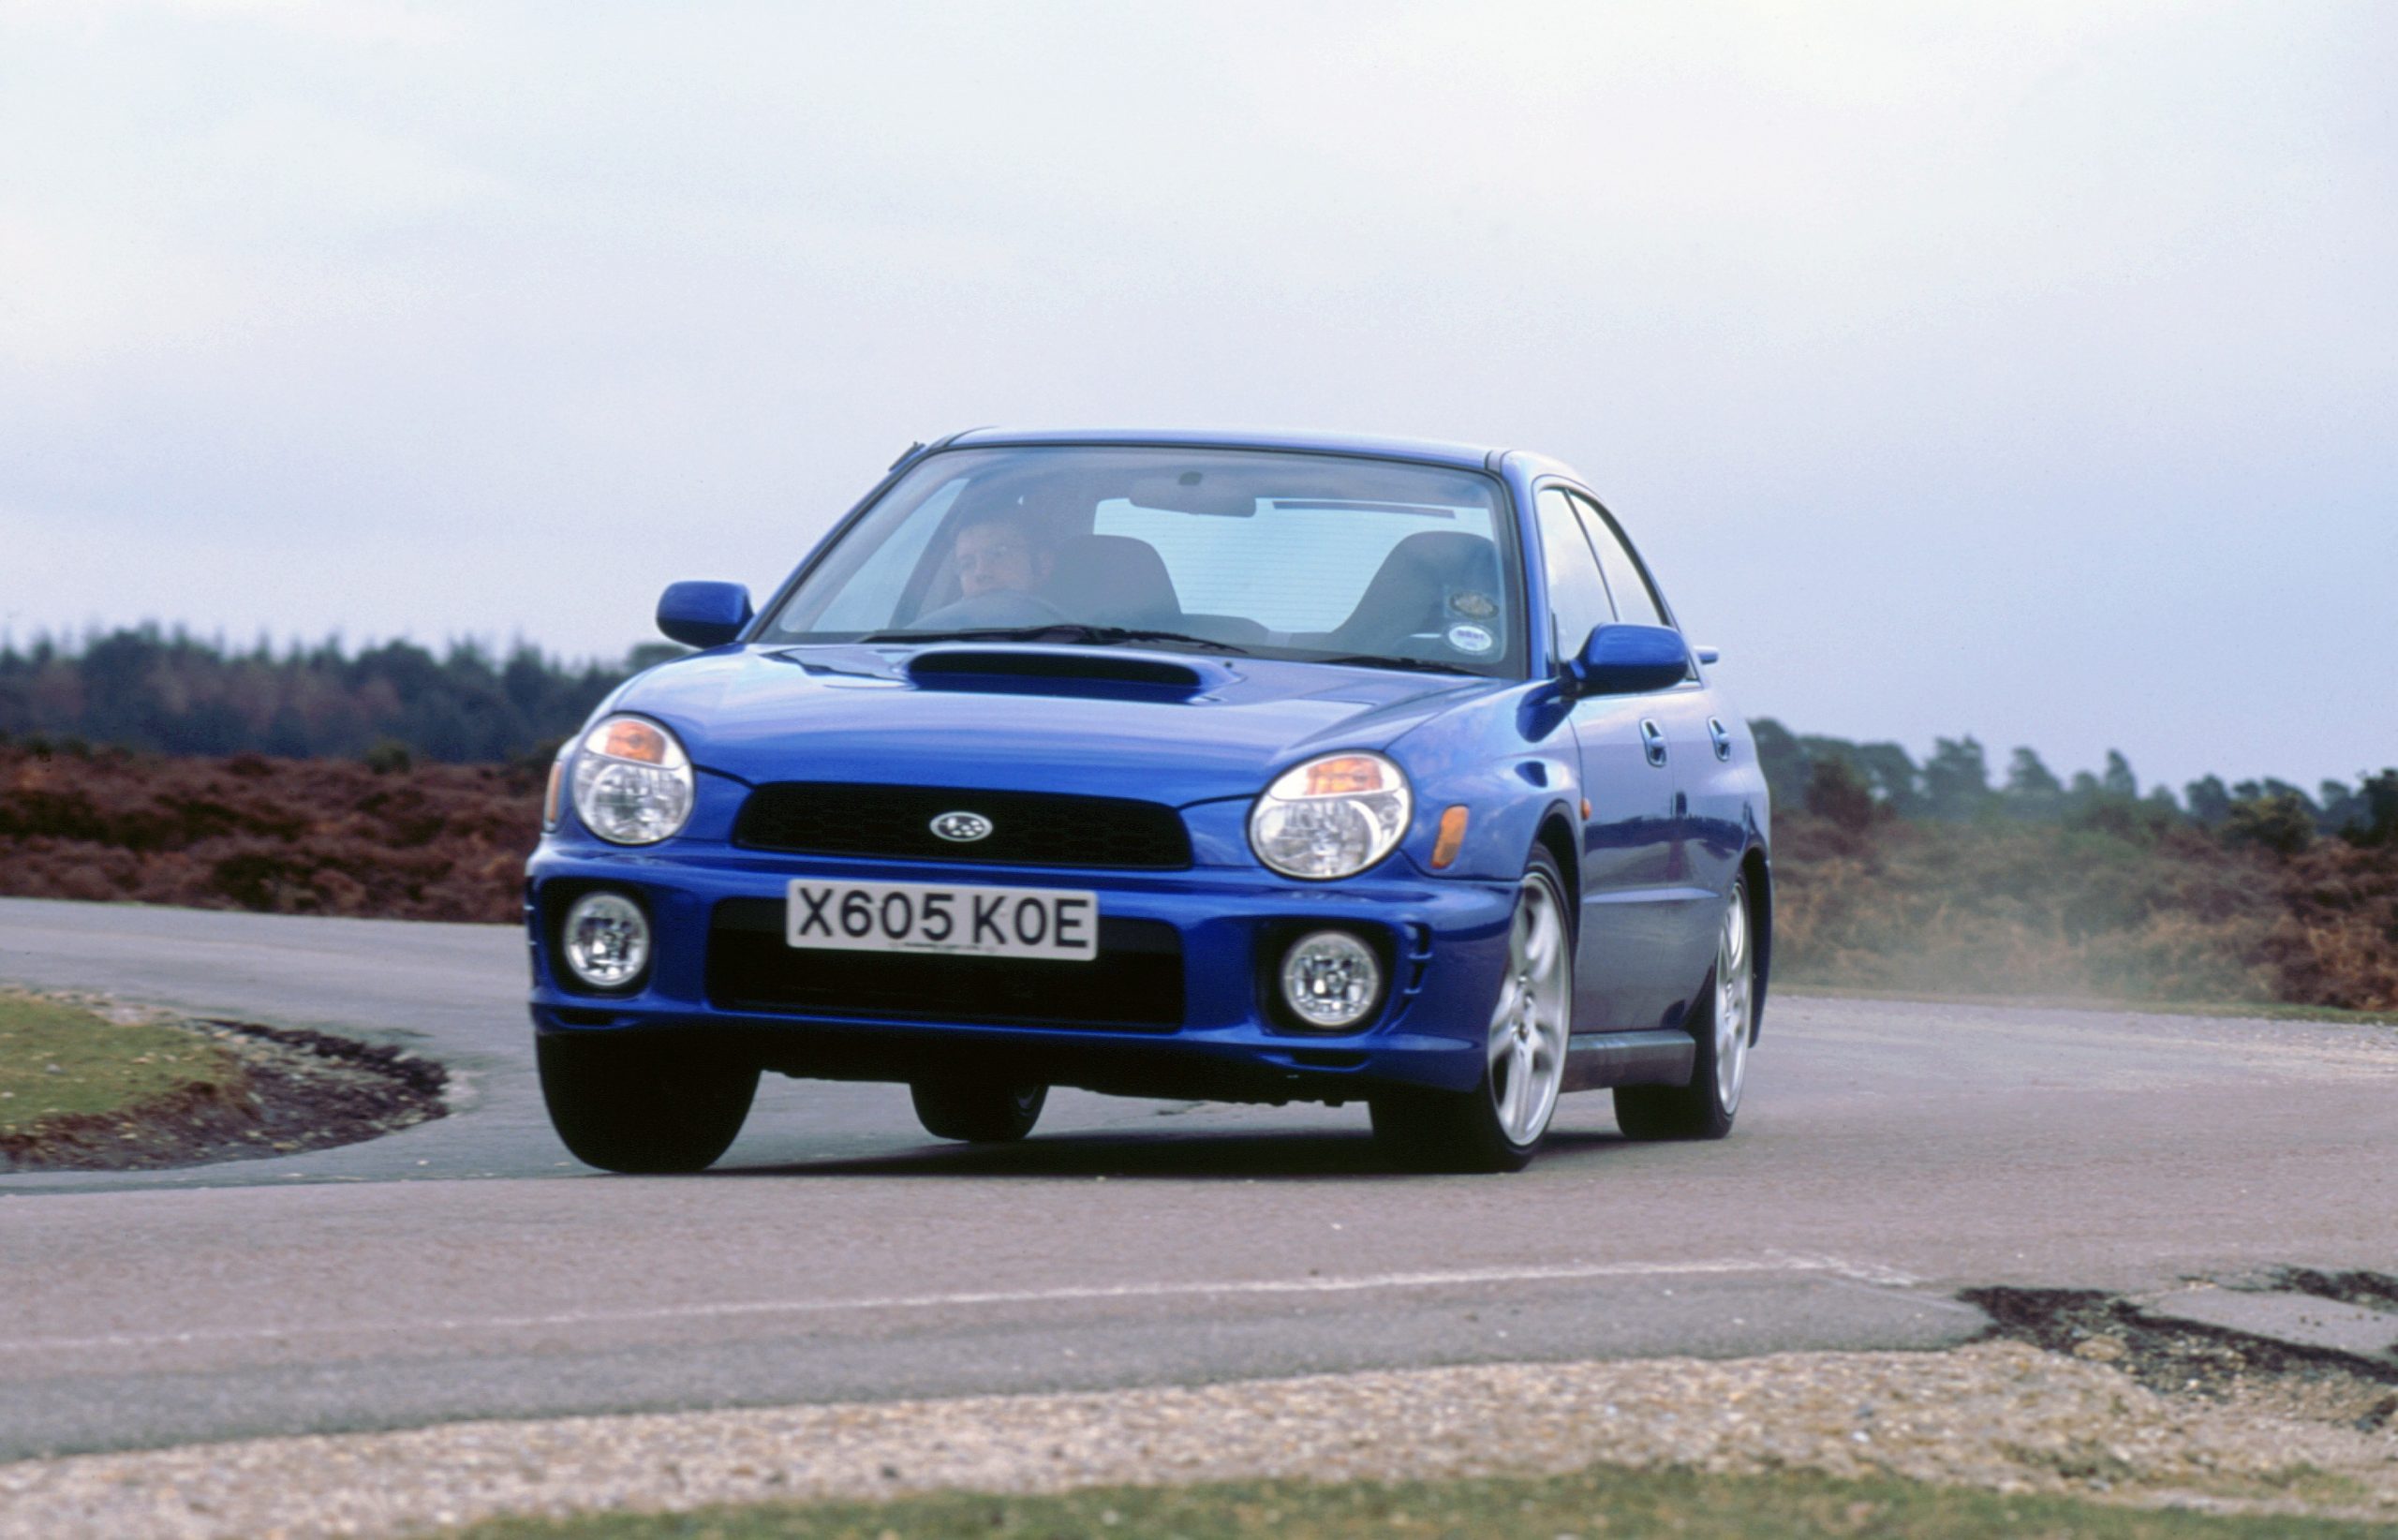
[[1027, 828], [1134, 982]]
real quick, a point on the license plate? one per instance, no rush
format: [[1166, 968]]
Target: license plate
[[1052, 922]]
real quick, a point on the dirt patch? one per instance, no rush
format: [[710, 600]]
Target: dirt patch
[[2214, 1364], [293, 1091]]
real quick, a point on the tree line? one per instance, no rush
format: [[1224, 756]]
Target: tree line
[[172, 693], [1854, 784]]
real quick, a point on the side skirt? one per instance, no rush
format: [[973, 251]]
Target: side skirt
[[1599, 1059]]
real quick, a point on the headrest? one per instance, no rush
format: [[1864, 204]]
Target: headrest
[[1114, 580], [1419, 586]]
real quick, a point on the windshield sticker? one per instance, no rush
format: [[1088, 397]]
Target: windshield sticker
[[1472, 639], [1473, 605]]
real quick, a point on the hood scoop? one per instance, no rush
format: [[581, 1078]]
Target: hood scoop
[[1057, 671]]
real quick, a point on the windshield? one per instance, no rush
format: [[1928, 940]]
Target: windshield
[[1227, 551]]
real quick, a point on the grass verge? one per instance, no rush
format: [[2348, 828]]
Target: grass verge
[[60, 1063], [1602, 1502]]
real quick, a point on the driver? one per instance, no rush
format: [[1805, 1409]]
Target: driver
[[1000, 552]]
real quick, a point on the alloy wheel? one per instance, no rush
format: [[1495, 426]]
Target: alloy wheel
[[1735, 990], [1529, 1025]]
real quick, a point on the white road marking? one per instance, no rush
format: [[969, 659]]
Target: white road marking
[[1833, 1267]]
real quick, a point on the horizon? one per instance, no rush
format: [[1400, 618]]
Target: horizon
[[497, 655]]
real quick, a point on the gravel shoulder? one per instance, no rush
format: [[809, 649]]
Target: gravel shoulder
[[2000, 1415]]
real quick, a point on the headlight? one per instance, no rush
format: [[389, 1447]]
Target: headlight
[[632, 781], [1331, 816]]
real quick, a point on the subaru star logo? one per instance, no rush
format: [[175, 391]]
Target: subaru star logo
[[961, 827]]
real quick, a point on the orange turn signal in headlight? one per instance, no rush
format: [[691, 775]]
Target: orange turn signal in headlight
[[1452, 837], [629, 738], [556, 789], [1348, 774]]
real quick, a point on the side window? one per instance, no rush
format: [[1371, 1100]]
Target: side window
[[1636, 603], [1577, 597]]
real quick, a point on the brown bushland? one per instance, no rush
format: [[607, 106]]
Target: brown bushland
[[287, 837], [2129, 908], [2123, 904]]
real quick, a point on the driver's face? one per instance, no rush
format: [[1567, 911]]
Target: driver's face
[[996, 557]]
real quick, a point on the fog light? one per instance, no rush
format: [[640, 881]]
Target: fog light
[[1330, 979], [605, 940]]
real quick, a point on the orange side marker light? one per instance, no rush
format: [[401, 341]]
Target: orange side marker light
[[1452, 837]]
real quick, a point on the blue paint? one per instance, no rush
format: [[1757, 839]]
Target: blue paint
[[704, 614]]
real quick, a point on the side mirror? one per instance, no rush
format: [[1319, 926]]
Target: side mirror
[[1629, 660], [703, 615]]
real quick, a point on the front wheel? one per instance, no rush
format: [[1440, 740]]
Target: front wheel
[[1498, 1125], [1704, 1109], [977, 1112], [647, 1103]]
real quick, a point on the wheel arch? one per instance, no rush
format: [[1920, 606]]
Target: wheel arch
[[1556, 835], [1758, 872]]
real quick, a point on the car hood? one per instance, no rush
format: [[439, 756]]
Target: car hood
[[1166, 727]]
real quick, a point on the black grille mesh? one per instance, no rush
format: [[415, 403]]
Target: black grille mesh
[[1027, 828]]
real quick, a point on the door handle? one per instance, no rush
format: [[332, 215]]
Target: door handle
[[1721, 736], [1653, 739]]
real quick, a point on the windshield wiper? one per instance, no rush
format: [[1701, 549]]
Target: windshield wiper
[[977, 633], [1384, 661], [1055, 630], [1128, 633]]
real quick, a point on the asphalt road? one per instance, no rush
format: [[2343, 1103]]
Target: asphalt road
[[1889, 1155]]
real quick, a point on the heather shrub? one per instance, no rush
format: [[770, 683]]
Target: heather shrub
[[324, 836], [2157, 911]]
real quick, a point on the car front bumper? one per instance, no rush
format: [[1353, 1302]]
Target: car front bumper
[[1443, 941]]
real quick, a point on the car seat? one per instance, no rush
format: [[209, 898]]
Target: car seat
[[1112, 579], [1431, 581]]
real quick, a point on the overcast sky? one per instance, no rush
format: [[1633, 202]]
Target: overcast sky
[[2026, 370]]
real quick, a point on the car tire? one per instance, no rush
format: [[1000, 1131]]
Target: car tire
[[979, 1112], [1725, 1026], [1499, 1124], [646, 1104]]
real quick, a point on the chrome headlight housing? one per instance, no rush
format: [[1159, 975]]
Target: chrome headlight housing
[[1331, 816], [632, 781]]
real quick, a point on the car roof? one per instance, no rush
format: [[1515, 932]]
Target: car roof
[[1431, 450]]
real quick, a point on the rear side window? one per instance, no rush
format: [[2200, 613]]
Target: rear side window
[[1636, 602], [1578, 598]]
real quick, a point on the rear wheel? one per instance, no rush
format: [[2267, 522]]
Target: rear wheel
[[977, 1111], [1704, 1109], [647, 1103], [1499, 1124]]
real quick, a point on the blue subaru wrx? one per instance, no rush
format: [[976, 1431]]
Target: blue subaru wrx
[[1252, 767]]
